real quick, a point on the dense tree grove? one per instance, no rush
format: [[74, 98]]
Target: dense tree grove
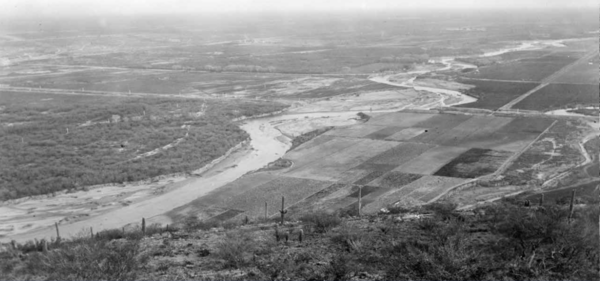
[[45, 150]]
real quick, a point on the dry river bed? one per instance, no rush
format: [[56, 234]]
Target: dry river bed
[[116, 206]]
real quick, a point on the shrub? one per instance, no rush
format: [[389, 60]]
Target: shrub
[[88, 259], [445, 211], [191, 223], [321, 222], [236, 249]]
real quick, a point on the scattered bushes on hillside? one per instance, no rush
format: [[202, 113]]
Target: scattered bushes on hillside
[[321, 222], [503, 241], [86, 259]]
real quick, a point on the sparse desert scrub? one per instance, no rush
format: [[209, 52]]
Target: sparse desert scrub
[[321, 222]]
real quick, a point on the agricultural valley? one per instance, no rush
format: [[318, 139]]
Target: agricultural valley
[[380, 138]]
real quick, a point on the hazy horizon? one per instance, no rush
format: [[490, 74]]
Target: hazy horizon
[[60, 8]]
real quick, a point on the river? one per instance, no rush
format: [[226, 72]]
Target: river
[[267, 145]]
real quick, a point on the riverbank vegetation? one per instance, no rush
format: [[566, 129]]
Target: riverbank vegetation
[[54, 148]]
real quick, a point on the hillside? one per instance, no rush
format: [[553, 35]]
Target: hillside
[[501, 241]]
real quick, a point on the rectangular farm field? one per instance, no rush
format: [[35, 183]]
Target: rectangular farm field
[[399, 119], [400, 154], [526, 69], [355, 131], [439, 125], [477, 125], [443, 121], [494, 94], [384, 133], [511, 136], [333, 165], [406, 134], [431, 160], [415, 192], [584, 73], [474, 163], [293, 189], [318, 148], [396, 179], [220, 195], [556, 96]]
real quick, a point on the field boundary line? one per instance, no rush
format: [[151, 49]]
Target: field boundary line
[[512, 158], [544, 82]]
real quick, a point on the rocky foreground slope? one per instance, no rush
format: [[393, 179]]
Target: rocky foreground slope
[[505, 241]]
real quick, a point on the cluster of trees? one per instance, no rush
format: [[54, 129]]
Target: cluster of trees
[[53, 151]]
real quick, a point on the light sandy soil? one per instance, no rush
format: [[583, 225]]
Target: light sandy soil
[[373, 101], [565, 112]]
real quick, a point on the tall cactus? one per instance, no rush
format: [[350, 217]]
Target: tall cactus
[[283, 211], [571, 205], [359, 199], [144, 226], [266, 210], [44, 246], [542, 199], [57, 233]]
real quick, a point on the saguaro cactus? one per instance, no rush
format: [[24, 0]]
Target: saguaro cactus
[[276, 233], [283, 211], [91, 232], [57, 233], [359, 199], [144, 226], [266, 211], [300, 235], [542, 199], [571, 205], [44, 246]]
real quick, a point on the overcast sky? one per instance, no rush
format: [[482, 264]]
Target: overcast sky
[[128, 7]]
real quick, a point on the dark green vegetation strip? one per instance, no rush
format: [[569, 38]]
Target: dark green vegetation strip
[[297, 141], [105, 136], [555, 96], [494, 94], [473, 163]]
